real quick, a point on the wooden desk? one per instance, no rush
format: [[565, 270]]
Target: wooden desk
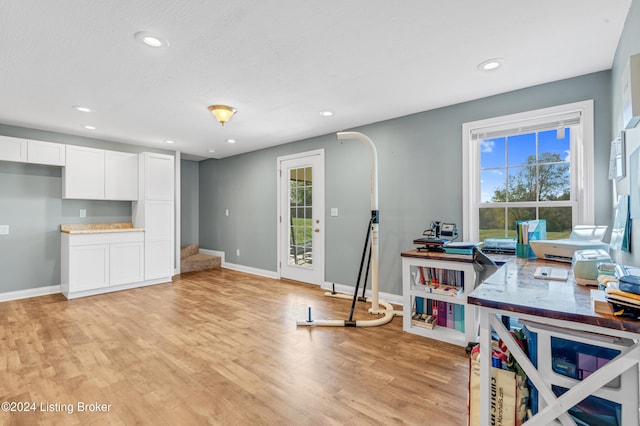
[[513, 291]]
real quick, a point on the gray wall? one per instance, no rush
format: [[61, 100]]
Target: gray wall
[[31, 204], [419, 176], [629, 45], [189, 202]]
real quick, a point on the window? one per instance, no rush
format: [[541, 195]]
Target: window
[[533, 165]]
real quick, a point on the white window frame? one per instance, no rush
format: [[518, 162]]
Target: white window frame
[[582, 164]]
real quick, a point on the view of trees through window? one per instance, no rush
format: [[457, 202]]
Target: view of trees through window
[[525, 177]]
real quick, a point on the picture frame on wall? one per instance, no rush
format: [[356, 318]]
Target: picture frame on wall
[[617, 158], [634, 184]]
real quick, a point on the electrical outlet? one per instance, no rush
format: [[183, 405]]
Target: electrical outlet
[[4, 229], [226, 212], [237, 252], [83, 212], [334, 211]]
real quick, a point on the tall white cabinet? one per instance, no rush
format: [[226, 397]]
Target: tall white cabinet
[[154, 211]]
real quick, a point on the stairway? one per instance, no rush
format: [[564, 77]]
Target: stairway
[[192, 260]]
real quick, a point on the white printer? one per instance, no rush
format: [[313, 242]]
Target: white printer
[[585, 265], [582, 237]]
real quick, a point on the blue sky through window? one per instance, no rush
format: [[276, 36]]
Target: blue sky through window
[[497, 155]]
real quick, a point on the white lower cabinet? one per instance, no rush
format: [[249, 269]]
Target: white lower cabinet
[[90, 268], [126, 263], [100, 262]]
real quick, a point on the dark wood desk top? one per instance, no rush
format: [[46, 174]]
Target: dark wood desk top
[[512, 288]]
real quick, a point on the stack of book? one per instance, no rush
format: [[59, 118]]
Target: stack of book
[[423, 320]]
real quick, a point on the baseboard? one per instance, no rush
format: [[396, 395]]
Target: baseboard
[[347, 289], [240, 268], [251, 270], [30, 292], [220, 254]]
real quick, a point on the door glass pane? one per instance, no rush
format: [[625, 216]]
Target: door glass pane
[[300, 217]]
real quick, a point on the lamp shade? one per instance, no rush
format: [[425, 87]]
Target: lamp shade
[[223, 113]]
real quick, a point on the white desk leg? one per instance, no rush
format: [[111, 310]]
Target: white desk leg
[[485, 368]]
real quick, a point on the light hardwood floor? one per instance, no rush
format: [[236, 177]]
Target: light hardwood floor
[[220, 347]]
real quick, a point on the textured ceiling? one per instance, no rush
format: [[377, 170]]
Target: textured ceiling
[[279, 63]]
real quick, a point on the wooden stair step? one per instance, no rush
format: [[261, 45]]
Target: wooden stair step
[[189, 250], [199, 262]]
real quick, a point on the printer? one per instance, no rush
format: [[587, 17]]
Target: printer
[[583, 237], [585, 265]]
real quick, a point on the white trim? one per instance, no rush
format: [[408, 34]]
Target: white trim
[[251, 270], [177, 206], [30, 292], [111, 289], [582, 182], [240, 268], [220, 254], [347, 289]]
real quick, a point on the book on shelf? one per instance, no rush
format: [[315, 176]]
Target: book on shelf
[[429, 313], [442, 313], [439, 281], [459, 317]]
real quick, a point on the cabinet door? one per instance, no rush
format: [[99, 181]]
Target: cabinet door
[[126, 263], [158, 176], [39, 152], [88, 267], [83, 175], [158, 259], [13, 149], [121, 176], [158, 239]]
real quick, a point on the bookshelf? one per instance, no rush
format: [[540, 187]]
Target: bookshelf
[[422, 267]]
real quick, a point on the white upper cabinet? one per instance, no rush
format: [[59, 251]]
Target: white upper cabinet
[[30, 151], [158, 176], [83, 176], [121, 176], [49, 153], [13, 149], [96, 174]]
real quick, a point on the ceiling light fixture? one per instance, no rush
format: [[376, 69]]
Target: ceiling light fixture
[[89, 127], [490, 64], [326, 113], [169, 141], [231, 141], [223, 113], [150, 40], [81, 108], [212, 151]]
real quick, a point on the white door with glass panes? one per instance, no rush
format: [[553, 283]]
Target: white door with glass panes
[[301, 217]]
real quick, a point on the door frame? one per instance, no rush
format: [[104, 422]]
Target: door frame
[[321, 214]]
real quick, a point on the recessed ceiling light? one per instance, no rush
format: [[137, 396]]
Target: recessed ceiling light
[[150, 40], [490, 64], [169, 141], [81, 108], [231, 140], [89, 127], [326, 113], [212, 151]]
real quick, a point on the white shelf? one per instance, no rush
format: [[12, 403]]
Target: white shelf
[[411, 291]]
